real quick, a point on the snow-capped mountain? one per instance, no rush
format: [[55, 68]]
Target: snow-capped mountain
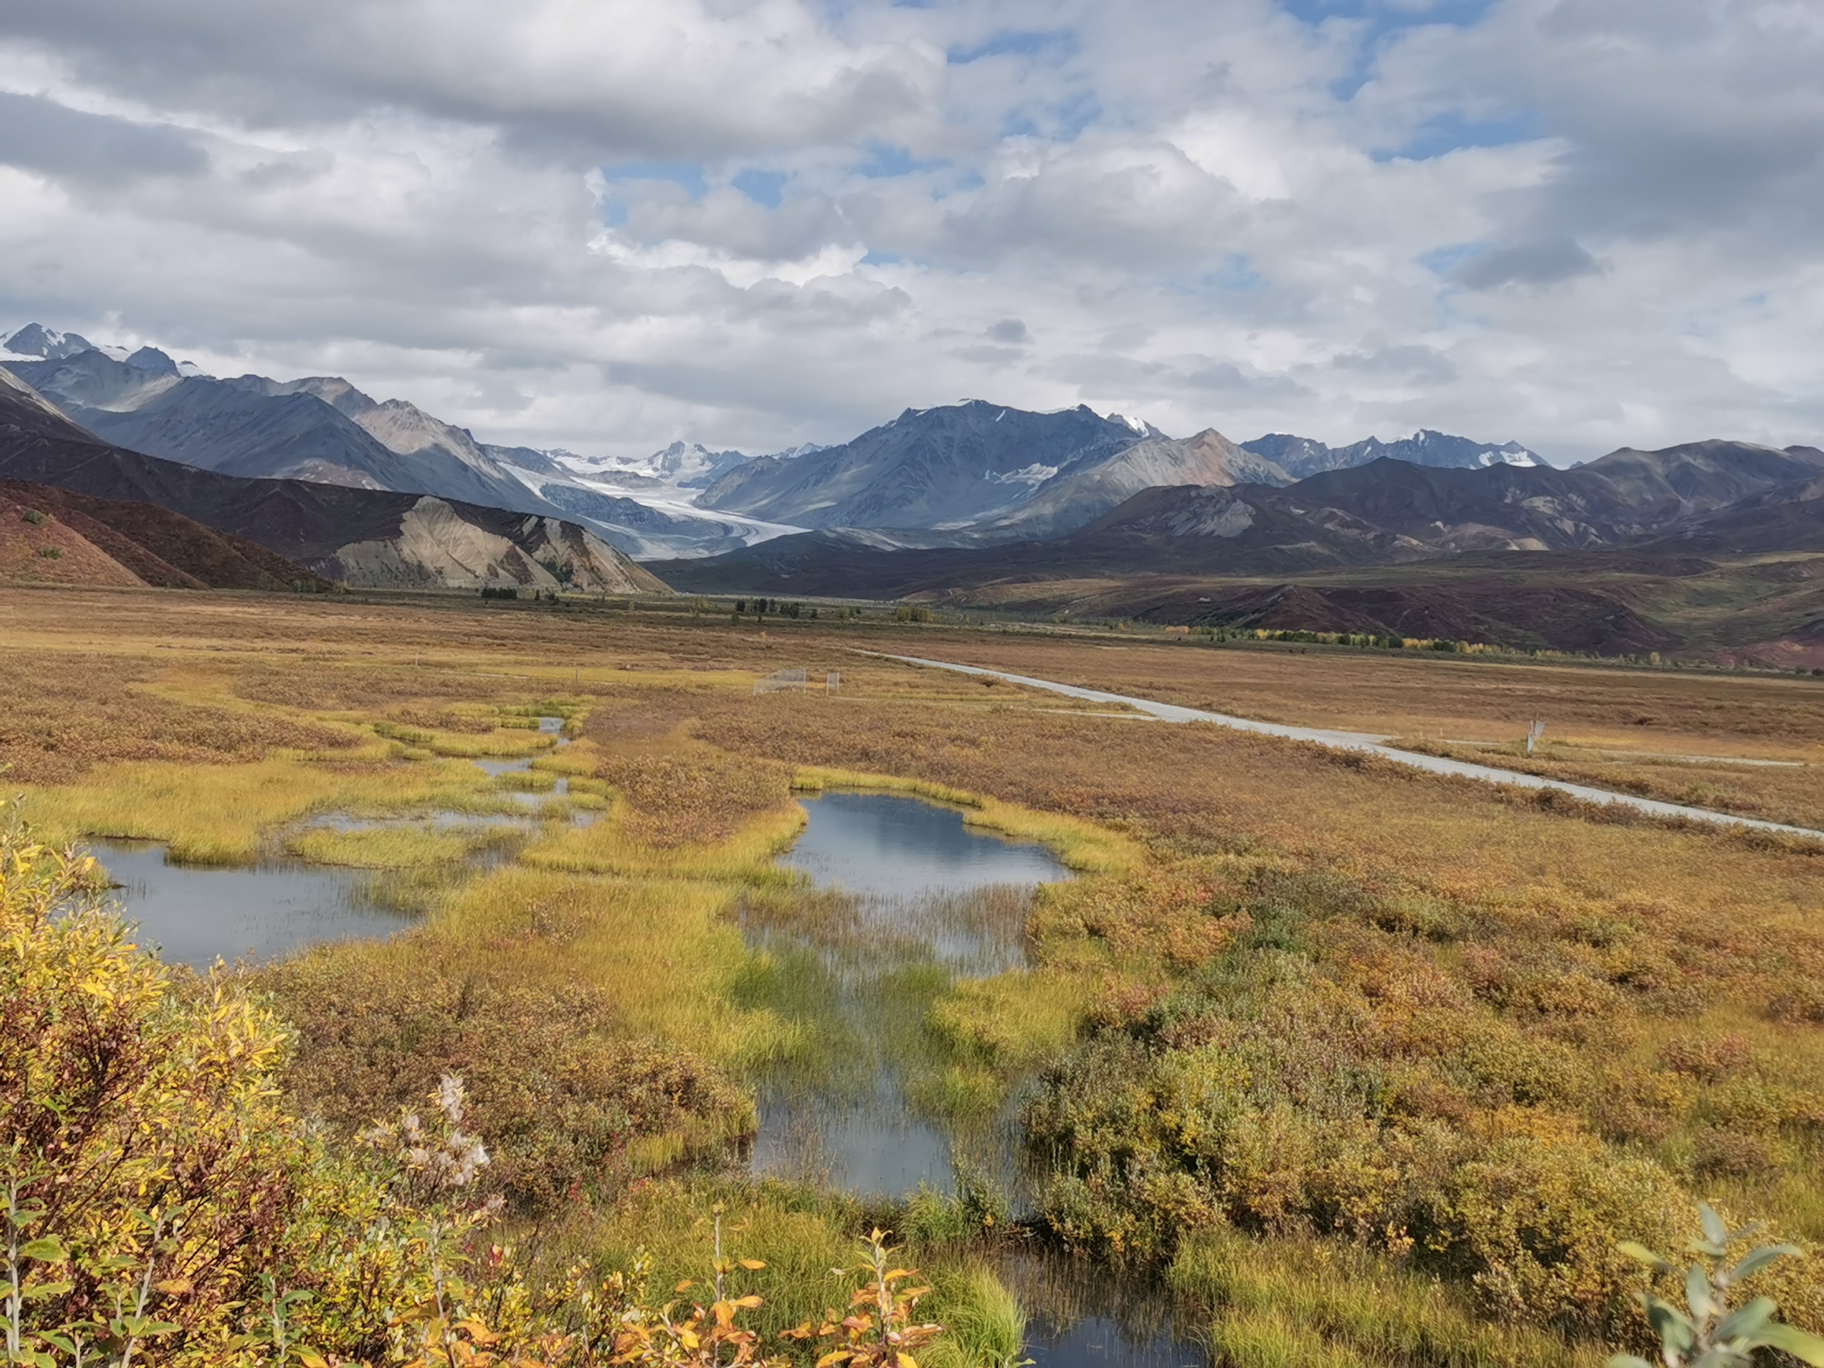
[[36, 343], [1301, 457], [325, 430], [957, 469], [682, 465]]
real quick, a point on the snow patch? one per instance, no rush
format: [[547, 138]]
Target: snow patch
[[1032, 476]]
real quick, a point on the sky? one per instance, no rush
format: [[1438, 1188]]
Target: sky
[[605, 225]]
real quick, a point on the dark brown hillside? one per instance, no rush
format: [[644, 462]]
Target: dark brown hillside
[[1558, 617], [36, 548], [164, 548]]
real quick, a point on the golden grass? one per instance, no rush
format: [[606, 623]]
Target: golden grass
[[1012, 1023], [664, 950], [225, 814], [1297, 1302], [415, 847], [608, 848]]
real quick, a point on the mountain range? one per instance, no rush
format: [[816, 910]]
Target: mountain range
[[972, 499], [1300, 457], [324, 430], [360, 537], [966, 474], [1754, 499]]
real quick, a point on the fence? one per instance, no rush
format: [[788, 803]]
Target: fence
[[792, 680], [795, 681]]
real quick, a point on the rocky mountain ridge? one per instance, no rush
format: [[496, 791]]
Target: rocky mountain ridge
[[1725, 495]]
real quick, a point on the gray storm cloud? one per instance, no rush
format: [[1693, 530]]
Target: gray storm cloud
[[606, 224]]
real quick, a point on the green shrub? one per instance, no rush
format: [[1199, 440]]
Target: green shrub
[[1713, 1333]]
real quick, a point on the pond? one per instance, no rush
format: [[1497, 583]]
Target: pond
[[909, 899], [879, 843], [1088, 1315], [194, 915]]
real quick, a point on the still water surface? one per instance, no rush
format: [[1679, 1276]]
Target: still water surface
[[195, 915], [878, 843]]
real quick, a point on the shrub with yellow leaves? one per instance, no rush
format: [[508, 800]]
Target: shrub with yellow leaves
[[143, 1154]]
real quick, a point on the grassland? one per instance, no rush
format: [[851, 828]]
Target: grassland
[[1369, 1062]]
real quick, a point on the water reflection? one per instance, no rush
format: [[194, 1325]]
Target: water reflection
[[877, 843], [195, 915], [1086, 1315]]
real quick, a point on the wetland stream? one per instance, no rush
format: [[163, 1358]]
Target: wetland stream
[[909, 899]]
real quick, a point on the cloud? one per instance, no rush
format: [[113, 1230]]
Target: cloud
[[1546, 262], [604, 224], [68, 144]]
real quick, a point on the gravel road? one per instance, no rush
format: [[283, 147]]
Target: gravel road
[[1370, 744]]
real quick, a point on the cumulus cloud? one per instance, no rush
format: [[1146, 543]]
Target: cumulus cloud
[[605, 224]]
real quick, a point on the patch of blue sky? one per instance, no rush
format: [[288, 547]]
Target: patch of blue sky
[[1443, 260], [1055, 45], [1384, 16], [885, 162], [687, 174], [1236, 274], [1381, 20], [765, 188], [1454, 129], [1060, 122], [876, 257]]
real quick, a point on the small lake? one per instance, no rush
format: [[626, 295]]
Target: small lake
[[193, 915]]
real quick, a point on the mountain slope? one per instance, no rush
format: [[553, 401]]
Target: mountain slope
[[36, 548], [366, 537], [159, 547], [1209, 458], [937, 469], [323, 429]]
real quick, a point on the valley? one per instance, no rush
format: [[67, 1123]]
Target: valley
[[1234, 1045]]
